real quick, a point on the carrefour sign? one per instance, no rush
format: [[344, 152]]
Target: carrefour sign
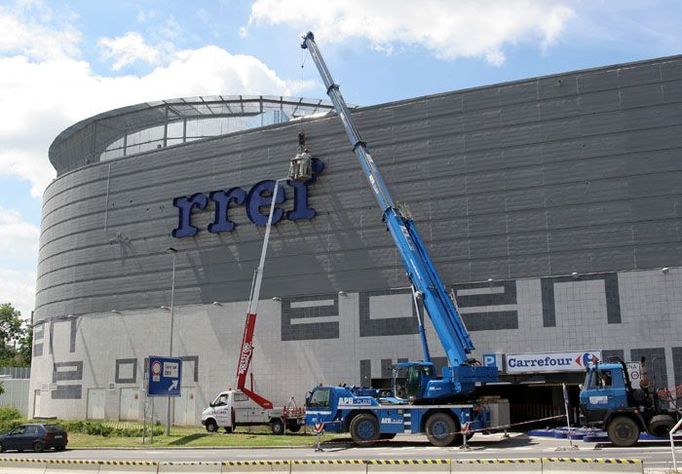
[[256, 202], [551, 362]]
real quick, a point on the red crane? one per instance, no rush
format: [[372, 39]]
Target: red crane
[[246, 348]]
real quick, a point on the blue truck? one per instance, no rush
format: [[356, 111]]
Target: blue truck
[[422, 401], [609, 401]]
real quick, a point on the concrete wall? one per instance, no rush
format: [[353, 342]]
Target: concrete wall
[[109, 348], [523, 183], [15, 394]]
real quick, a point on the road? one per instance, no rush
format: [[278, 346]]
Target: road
[[655, 456]]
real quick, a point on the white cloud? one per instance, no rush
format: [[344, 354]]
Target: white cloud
[[41, 96], [128, 49], [23, 34], [19, 238], [18, 251], [449, 29], [19, 289]]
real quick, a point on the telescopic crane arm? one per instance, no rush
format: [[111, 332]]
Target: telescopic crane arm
[[424, 278]]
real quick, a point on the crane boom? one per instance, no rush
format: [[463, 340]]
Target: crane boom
[[427, 284], [246, 348]]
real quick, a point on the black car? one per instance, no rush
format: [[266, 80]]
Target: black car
[[37, 437]]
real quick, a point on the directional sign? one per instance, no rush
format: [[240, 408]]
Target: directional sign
[[165, 376]]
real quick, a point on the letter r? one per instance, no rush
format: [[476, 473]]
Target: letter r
[[185, 205]]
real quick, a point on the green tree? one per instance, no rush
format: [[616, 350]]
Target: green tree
[[12, 335], [25, 351]]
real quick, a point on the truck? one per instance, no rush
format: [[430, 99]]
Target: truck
[[609, 400], [234, 408], [444, 406], [244, 406]]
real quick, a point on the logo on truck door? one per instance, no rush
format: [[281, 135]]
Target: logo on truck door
[[350, 401]]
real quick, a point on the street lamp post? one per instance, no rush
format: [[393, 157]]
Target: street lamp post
[[173, 252]]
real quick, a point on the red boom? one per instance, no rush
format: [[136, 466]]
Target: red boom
[[244, 363]]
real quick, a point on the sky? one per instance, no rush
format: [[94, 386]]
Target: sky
[[62, 61]]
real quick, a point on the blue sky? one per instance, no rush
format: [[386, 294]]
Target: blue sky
[[62, 61]]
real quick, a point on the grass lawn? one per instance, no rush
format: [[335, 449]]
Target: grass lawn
[[194, 437]]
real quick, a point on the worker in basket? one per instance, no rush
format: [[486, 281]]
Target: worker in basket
[[301, 166]]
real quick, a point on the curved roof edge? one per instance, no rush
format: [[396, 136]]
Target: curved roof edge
[[84, 142]]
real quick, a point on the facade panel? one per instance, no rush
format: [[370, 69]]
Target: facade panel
[[549, 206]]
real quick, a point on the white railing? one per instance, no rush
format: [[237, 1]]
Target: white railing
[[672, 443]]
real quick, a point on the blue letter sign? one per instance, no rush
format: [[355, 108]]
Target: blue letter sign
[[256, 201]]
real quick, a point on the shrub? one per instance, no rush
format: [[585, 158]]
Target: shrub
[[9, 414], [98, 428], [10, 418]]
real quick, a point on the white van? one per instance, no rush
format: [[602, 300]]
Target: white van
[[234, 408]]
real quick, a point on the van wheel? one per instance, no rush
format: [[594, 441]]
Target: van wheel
[[441, 430], [364, 429], [229, 430], [211, 426], [623, 431], [277, 427]]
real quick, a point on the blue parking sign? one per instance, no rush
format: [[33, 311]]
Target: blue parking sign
[[490, 360], [164, 376]]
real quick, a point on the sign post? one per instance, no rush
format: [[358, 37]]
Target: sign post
[[165, 376]]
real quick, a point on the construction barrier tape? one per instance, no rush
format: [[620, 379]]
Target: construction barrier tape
[[595, 461], [408, 461], [614, 461], [498, 461], [254, 463], [82, 461]]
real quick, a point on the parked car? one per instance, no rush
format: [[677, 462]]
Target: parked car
[[37, 437]]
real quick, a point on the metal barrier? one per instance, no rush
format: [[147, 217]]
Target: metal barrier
[[672, 443]]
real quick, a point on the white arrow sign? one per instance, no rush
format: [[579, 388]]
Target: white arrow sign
[[173, 386]]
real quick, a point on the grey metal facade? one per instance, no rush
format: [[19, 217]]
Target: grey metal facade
[[574, 172]]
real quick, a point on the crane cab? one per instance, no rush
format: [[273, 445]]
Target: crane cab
[[411, 378]]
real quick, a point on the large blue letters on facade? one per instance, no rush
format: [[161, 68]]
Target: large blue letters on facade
[[256, 201]]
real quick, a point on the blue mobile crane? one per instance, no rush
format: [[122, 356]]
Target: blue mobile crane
[[441, 406]]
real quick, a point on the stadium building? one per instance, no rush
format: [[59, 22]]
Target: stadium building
[[551, 206]]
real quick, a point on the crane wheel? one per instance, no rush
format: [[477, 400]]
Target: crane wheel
[[660, 425], [364, 429], [441, 430], [623, 431]]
